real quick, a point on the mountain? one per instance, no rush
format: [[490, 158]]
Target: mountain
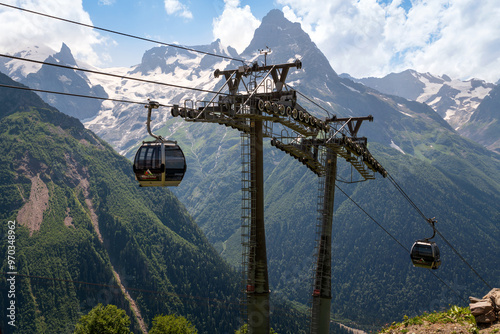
[[46, 77], [445, 175], [160, 64], [166, 59], [454, 100], [484, 125], [17, 69], [85, 233]]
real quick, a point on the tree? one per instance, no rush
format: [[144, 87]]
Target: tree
[[104, 320], [172, 324], [244, 330]]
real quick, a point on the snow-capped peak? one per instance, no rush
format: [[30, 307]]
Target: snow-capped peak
[[18, 69], [453, 99]]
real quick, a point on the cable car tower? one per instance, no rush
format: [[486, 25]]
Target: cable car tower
[[268, 108]]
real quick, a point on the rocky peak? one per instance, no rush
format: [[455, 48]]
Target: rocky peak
[[65, 56]]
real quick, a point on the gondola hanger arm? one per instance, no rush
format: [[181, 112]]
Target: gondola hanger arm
[[431, 222], [150, 106]]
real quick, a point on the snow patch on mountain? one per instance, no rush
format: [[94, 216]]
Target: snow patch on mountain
[[350, 88], [19, 69], [404, 113], [123, 124], [393, 145], [453, 99]]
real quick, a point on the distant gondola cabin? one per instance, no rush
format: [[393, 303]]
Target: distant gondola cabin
[[159, 164], [425, 254]]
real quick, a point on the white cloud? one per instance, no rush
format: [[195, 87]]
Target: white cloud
[[176, 7], [468, 41], [235, 26], [22, 29], [460, 38]]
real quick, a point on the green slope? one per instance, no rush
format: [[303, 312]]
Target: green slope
[[58, 182]]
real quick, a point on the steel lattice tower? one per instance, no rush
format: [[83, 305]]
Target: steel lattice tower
[[268, 109]]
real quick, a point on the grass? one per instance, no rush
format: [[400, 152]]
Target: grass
[[456, 314]]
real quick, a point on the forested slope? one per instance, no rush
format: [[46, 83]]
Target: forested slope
[[84, 227]]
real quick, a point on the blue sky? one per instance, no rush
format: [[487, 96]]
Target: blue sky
[[460, 38], [153, 21]]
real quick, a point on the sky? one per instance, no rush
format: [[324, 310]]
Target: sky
[[460, 38]]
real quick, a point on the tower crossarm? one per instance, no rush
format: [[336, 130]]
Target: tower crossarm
[[350, 124], [309, 133]]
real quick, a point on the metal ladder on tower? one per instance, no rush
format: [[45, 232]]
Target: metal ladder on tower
[[322, 266], [317, 269], [247, 226]]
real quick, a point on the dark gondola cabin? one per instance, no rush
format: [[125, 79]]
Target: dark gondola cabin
[[425, 254], [159, 164]]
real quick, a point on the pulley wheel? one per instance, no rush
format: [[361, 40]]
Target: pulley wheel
[[307, 118], [276, 107], [301, 115], [313, 121], [267, 105], [261, 105], [281, 110], [175, 112]]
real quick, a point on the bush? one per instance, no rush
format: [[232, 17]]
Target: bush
[[171, 324], [104, 320]]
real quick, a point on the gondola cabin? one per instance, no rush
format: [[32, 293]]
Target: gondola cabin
[[159, 164], [425, 254]]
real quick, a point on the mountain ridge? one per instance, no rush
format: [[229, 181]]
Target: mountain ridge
[[448, 176], [455, 100], [484, 125]]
